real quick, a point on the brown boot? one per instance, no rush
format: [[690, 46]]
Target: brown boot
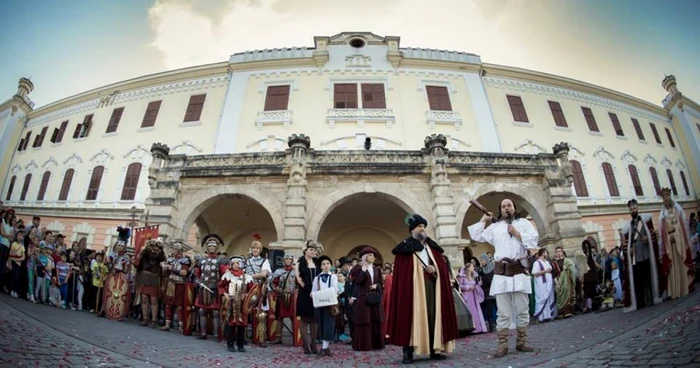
[[521, 341], [502, 343]]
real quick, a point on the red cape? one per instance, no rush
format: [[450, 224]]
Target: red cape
[[401, 301]]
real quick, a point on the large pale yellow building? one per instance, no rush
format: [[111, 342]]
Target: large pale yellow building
[[236, 163]]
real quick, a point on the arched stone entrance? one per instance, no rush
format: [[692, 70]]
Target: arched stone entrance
[[364, 218], [354, 253], [235, 218]]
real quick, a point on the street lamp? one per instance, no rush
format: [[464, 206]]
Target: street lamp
[[133, 224]]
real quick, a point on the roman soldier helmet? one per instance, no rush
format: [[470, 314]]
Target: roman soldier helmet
[[288, 256], [177, 246], [239, 259], [212, 240]]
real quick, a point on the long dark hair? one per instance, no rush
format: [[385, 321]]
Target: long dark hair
[[516, 214]]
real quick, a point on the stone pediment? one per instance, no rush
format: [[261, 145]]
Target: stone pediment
[[345, 37]]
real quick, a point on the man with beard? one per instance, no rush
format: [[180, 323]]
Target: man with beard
[[640, 280], [177, 268], [512, 237], [675, 247], [283, 293], [422, 317], [149, 262], [209, 270]]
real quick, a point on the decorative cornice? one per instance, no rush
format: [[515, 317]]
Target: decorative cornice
[[603, 154], [439, 55], [650, 160], [73, 157], [31, 166], [65, 112], [680, 164], [628, 157], [529, 142], [16, 169], [666, 162], [50, 161], [187, 143], [103, 153], [585, 98], [132, 151]]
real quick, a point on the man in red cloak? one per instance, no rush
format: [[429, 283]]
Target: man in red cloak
[[422, 316]]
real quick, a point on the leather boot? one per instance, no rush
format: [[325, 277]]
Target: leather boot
[[502, 343], [521, 341], [407, 355]]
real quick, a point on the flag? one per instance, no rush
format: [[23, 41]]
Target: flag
[[142, 234]]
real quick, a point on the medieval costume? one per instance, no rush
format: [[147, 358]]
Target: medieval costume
[[283, 296], [257, 303], [368, 309], [640, 280], [676, 253], [488, 306], [306, 272], [422, 318], [564, 275], [208, 272], [473, 296], [235, 282], [325, 316], [512, 237], [590, 274], [148, 263], [546, 306], [177, 268], [386, 300]]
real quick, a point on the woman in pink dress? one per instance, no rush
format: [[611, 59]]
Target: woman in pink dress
[[473, 295]]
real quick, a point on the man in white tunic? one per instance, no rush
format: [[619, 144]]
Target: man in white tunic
[[511, 237]]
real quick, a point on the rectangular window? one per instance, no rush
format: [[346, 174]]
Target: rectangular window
[[194, 108], [438, 98], [670, 138], [149, 118], [616, 125], [373, 96], [558, 114], [517, 108], [83, 130], [114, 120], [638, 129], [345, 96], [39, 140], [655, 132], [25, 142], [590, 119], [277, 98]]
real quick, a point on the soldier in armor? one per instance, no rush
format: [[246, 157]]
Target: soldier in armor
[[283, 296], [176, 268], [149, 262], [118, 259], [235, 282], [208, 272], [257, 303]]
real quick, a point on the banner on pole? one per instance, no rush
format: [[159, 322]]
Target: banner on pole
[[142, 234]]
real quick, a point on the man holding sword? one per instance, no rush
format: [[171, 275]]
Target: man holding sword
[[511, 237]]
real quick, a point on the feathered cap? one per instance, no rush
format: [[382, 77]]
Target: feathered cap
[[212, 240], [123, 234], [256, 240], [412, 221]]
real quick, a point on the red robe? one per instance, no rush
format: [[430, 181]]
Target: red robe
[[401, 302], [386, 302]]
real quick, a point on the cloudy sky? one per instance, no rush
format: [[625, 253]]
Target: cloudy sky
[[70, 46]]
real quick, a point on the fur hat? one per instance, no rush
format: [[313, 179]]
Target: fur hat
[[414, 220], [368, 250]]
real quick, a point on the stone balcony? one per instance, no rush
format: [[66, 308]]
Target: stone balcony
[[360, 116], [282, 117], [434, 117]]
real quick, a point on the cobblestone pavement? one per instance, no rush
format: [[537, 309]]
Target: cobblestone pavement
[[37, 335]]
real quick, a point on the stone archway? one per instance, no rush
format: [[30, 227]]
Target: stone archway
[[364, 218]]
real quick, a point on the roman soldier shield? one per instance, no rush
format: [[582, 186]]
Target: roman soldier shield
[[117, 296], [188, 310]]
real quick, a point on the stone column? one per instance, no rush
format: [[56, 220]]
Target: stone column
[[445, 225], [294, 237], [164, 183], [563, 214]]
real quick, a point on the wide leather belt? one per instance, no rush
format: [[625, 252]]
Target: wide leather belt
[[508, 268]]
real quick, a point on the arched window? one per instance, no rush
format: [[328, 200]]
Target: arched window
[[94, 186], [131, 182], [11, 188], [655, 180], [610, 180], [579, 180], [43, 186], [635, 181], [65, 187], [685, 184], [672, 182], [25, 187]]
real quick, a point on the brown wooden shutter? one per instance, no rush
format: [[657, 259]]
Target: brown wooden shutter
[[635, 181], [21, 144], [655, 132], [194, 108], [438, 98], [36, 141], [87, 124], [590, 119], [76, 133], [638, 129], [25, 187], [65, 187], [345, 96], [26, 140], [685, 184], [373, 96], [517, 108], [94, 186], [114, 120], [616, 124], [131, 182], [670, 138], [655, 180], [44, 184], [54, 135], [149, 118], [579, 180], [610, 179], [558, 114], [11, 188], [277, 98], [61, 131], [673, 182], [698, 125]]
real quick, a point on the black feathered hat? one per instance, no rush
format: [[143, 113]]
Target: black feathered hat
[[414, 220]]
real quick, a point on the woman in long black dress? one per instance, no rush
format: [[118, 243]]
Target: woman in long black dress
[[369, 315], [306, 272]]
